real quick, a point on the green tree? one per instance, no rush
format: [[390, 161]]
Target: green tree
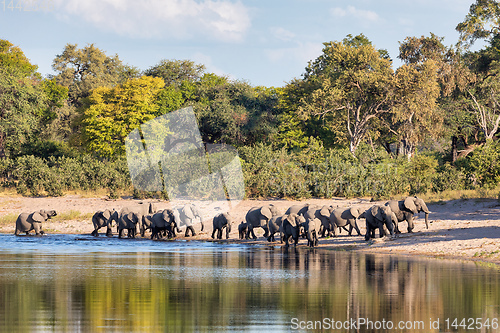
[[114, 112], [482, 22], [81, 70], [175, 72], [354, 87], [26, 101], [234, 112]]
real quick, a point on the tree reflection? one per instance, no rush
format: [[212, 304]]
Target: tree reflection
[[189, 291]]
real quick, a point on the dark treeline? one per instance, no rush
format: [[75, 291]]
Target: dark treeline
[[351, 125]]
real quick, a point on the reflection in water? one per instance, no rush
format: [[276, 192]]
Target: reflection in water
[[172, 286]]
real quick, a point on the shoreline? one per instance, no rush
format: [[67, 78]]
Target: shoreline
[[464, 229]]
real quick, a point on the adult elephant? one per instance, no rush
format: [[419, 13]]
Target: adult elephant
[[128, 221], [104, 218], [405, 209], [33, 221], [290, 227], [163, 223], [258, 217], [188, 215], [379, 217], [220, 222], [312, 227], [341, 217], [298, 209], [146, 224], [323, 215], [273, 225]]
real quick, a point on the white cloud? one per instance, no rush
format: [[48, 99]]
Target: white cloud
[[351, 11], [222, 20], [282, 34], [207, 61], [301, 53]]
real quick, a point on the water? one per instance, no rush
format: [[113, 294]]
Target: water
[[67, 283]]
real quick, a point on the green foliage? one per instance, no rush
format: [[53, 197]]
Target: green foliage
[[35, 176], [420, 173], [85, 69], [14, 60], [175, 72], [484, 165], [114, 112], [22, 108], [482, 22]]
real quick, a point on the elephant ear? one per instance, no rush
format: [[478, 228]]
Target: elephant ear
[[409, 203], [354, 212], [325, 211], [188, 212], [376, 212], [266, 212], [106, 214], [37, 217], [292, 219]]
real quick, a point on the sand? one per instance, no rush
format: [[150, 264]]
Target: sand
[[465, 229]]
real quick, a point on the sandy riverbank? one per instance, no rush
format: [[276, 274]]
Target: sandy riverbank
[[466, 229]]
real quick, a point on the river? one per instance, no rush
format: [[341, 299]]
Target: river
[[72, 283]]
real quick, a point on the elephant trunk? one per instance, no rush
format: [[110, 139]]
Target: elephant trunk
[[427, 220]]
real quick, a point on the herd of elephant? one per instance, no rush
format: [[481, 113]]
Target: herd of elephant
[[310, 221], [313, 221]]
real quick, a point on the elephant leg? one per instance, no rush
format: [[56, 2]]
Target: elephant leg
[[109, 232], [213, 233], [266, 231], [409, 218], [253, 235], [219, 234], [354, 225]]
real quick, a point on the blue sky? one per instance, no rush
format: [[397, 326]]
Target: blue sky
[[262, 42]]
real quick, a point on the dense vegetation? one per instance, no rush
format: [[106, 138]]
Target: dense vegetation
[[352, 125]]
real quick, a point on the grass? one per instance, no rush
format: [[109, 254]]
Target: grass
[[8, 219], [72, 215], [480, 193]]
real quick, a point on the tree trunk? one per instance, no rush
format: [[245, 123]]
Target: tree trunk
[[454, 149]]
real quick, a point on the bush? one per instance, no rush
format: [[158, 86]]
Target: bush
[[484, 165], [33, 175]]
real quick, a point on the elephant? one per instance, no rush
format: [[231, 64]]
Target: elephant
[[26, 222], [104, 218], [341, 217], [405, 209], [322, 214], [379, 216], [297, 209], [273, 225], [257, 217], [312, 227], [164, 222], [242, 230], [128, 221], [221, 221], [188, 215], [290, 226], [146, 224], [131, 218]]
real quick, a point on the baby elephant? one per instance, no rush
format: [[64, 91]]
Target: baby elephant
[[26, 222], [242, 229], [221, 221]]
